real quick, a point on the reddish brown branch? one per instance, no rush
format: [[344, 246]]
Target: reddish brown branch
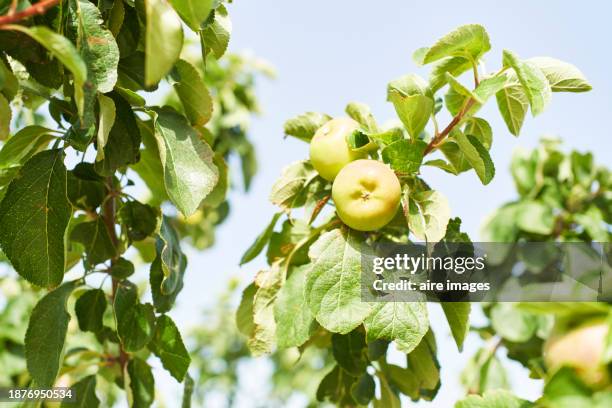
[[454, 122], [35, 9]]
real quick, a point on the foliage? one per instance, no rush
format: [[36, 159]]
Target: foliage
[[80, 139], [311, 289], [220, 359], [561, 197]]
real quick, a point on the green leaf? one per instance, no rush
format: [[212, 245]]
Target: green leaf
[[96, 239], [139, 220], [244, 314], [62, 49], [562, 76], [536, 217], [454, 101], [458, 86], [84, 192], [121, 269], [532, 79], [193, 12], [167, 344], [44, 339], [454, 233], [192, 92], [167, 269], [189, 172], [363, 390], [469, 41], [512, 323], [294, 321], [116, 18], [172, 257], [493, 399], [25, 143], [458, 318], [428, 215], [260, 242], [481, 129], [477, 155], [333, 285], [337, 387], [136, 326], [419, 54], [501, 225], [219, 193], [135, 321], [489, 87], [350, 351], [458, 162], [283, 242], [388, 397], [268, 283], [403, 380], [34, 215], [130, 96], [304, 126], [216, 35], [107, 119], [123, 143], [5, 118], [89, 308], [452, 65], [404, 157], [149, 168], [126, 297], [442, 165], [9, 84], [403, 322], [163, 40], [387, 137], [484, 372], [164, 301], [362, 114], [424, 366], [412, 101], [85, 391], [359, 141], [141, 385], [513, 102], [97, 47], [294, 178]]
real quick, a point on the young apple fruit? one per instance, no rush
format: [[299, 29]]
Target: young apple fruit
[[366, 194], [329, 150], [581, 349]]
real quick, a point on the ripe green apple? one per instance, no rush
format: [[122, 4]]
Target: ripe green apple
[[329, 150], [580, 348], [366, 194]]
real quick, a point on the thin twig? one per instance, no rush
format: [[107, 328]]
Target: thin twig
[[454, 122], [35, 9], [110, 213], [476, 77]]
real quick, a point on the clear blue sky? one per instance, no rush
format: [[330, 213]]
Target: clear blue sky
[[328, 53]]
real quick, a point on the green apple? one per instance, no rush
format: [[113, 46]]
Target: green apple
[[329, 150], [366, 194], [580, 348]]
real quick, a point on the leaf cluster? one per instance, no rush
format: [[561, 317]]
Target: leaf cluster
[[312, 287], [79, 141]]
